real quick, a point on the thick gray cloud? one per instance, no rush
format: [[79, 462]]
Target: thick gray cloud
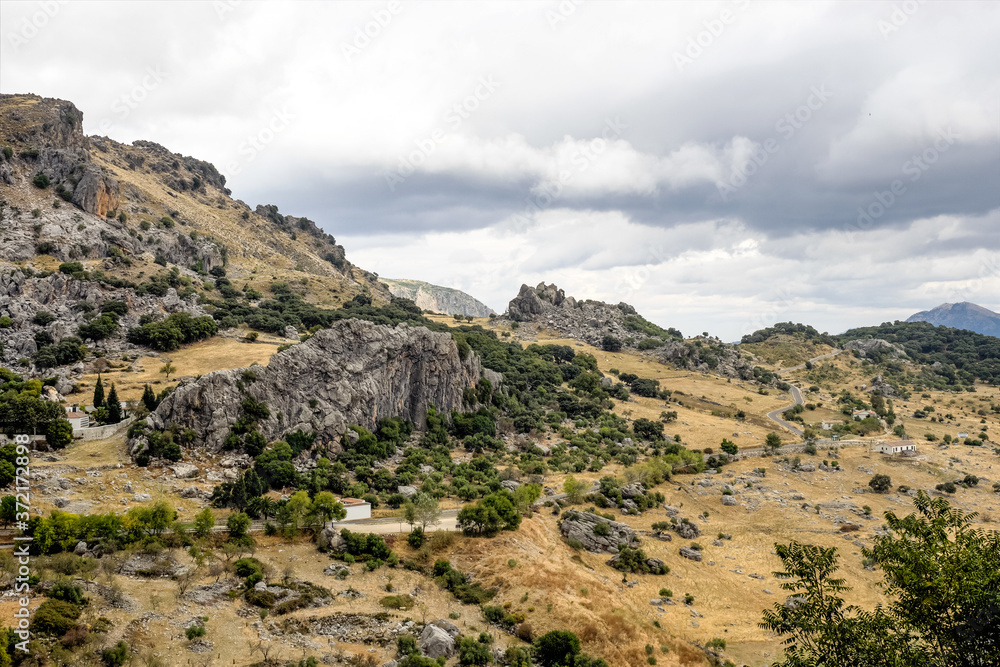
[[721, 165]]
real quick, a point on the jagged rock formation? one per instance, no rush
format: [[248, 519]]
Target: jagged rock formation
[[437, 298], [21, 297], [589, 321], [963, 315], [581, 526], [355, 372], [875, 347], [60, 151]]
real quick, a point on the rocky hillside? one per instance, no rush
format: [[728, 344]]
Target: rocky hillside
[[87, 220], [616, 326], [437, 298], [353, 373], [963, 315]]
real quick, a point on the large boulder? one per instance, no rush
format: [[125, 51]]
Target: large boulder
[[691, 554], [331, 539], [435, 642], [687, 529], [582, 526]]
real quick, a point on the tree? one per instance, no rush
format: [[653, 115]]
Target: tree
[[238, 524], [941, 577], [99, 393], [610, 344], [772, 442], [422, 510], [8, 510], [729, 447], [114, 406], [203, 522], [574, 489], [880, 483], [326, 507], [149, 398], [490, 515], [168, 369], [59, 433], [557, 648], [298, 506]]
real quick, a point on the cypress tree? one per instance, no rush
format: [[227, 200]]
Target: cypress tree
[[114, 406], [99, 393], [149, 398]]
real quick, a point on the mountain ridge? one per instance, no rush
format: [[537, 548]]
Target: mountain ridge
[[962, 315]]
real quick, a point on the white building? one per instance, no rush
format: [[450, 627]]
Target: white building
[[895, 448], [356, 509], [78, 420]]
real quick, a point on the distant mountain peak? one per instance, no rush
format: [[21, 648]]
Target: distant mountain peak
[[964, 315]]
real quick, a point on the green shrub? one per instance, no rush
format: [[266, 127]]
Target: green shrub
[[41, 180]]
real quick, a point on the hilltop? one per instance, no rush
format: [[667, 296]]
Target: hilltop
[[436, 298], [963, 315]]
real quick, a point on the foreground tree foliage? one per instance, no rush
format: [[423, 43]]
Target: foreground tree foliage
[[942, 578]]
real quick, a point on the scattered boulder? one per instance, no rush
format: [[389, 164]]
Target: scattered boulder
[[581, 526], [435, 642], [729, 501], [691, 554], [632, 490], [407, 491], [184, 470], [330, 538], [687, 529]]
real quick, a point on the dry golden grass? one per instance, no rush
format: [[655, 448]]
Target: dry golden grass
[[199, 358]]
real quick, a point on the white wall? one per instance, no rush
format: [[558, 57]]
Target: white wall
[[355, 512]]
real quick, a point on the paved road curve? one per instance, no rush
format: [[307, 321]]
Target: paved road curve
[[775, 415]]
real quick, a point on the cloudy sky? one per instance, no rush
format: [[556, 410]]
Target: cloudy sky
[[721, 166]]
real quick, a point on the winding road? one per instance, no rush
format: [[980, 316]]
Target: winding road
[[775, 415]]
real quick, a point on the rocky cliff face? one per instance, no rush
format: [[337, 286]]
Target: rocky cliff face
[[48, 136], [437, 298], [355, 372], [21, 297]]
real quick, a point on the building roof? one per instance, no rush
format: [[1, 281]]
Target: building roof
[[75, 415], [352, 501]]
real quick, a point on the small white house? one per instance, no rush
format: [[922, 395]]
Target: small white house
[[862, 414], [78, 420], [895, 448], [356, 509], [828, 425]]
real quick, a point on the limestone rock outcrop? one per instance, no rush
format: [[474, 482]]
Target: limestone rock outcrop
[[582, 526], [355, 372]]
